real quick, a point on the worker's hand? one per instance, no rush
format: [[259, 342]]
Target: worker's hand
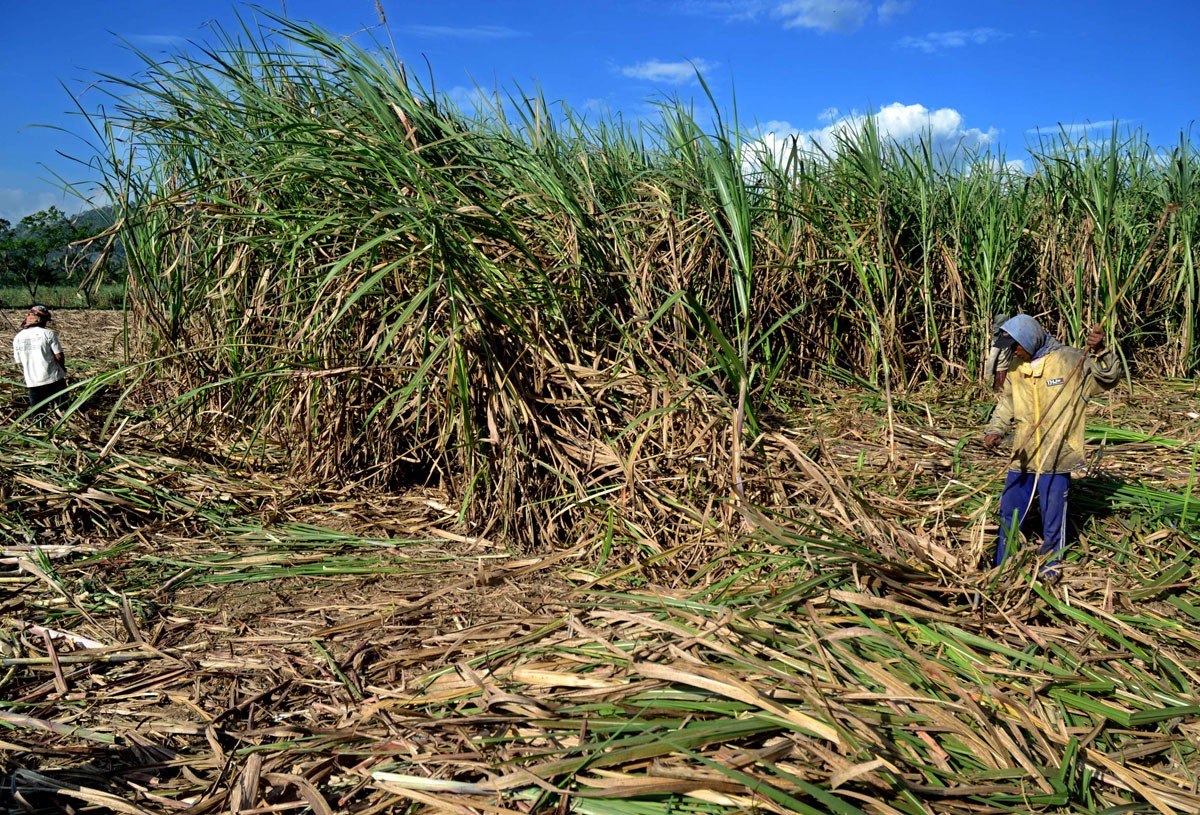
[[1095, 339], [991, 441]]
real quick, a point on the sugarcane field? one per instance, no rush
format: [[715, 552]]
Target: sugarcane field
[[522, 461]]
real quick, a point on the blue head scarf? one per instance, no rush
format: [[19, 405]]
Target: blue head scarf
[[1029, 333]]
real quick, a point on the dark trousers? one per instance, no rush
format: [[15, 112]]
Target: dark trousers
[[1017, 498], [38, 395]]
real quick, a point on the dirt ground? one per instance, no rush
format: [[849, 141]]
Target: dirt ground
[[88, 335]]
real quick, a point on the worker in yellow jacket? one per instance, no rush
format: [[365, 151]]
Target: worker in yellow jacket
[[1043, 400]]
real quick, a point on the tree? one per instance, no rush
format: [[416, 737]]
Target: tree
[[38, 251], [7, 244]]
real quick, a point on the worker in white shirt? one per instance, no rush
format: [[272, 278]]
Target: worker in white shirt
[[37, 350]]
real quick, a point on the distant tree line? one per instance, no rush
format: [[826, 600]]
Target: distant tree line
[[50, 248]]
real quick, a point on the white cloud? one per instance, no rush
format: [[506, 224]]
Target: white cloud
[[891, 9], [475, 32], [16, 203], [671, 73], [829, 115], [596, 105], [900, 122], [730, 10], [165, 40], [842, 16], [942, 40], [1073, 129], [776, 126], [470, 100], [776, 141], [896, 122]]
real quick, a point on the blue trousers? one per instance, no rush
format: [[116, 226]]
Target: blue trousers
[[1017, 498]]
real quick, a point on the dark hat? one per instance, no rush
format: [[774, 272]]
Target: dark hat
[[40, 311]]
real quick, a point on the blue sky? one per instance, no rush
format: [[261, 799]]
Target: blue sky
[[988, 73]]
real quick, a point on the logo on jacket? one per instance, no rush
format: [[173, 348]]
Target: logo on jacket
[[1051, 383]]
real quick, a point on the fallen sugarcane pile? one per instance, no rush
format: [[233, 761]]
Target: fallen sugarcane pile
[[209, 639]]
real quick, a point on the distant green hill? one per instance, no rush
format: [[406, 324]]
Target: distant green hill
[[96, 220]]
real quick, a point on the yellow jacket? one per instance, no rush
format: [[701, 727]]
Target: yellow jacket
[[1044, 402]]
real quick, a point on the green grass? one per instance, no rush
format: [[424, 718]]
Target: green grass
[[107, 296]]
